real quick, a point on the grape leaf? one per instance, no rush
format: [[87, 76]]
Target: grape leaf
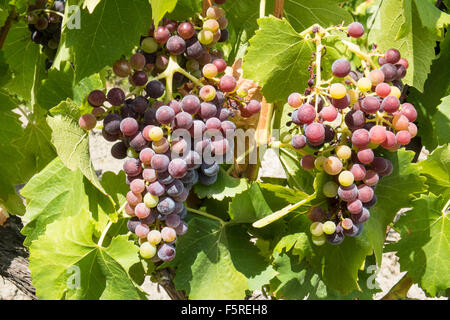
[[397, 25], [61, 85], [57, 192], [160, 8], [442, 120], [302, 14], [393, 193], [23, 57], [217, 261], [90, 4], [225, 186], [35, 145], [71, 142], [424, 250], [65, 263], [186, 9], [278, 59], [113, 29], [431, 17], [436, 87], [249, 205], [11, 156], [436, 168]]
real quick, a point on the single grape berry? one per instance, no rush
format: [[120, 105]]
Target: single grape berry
[[155, 89], [355, 30]]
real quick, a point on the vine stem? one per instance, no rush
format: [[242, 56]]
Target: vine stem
[[49, 11], [105, 231], [318, 65], [5, 29], [206, 215], [278, 9]]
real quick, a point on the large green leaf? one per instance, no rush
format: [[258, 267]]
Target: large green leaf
[[225, 186], [217, 261], [10, 155], [436, 87], [278, 59], [57, 192], [160, 8], [72, 142], [114, 28], [66, 263], [393, 193], [398, 26], [442, 120], [23, 57], [424, 250], [432, 18], [436, 168], [302, 14]]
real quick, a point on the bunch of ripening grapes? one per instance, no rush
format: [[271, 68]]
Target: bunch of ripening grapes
[[44, 23], [170, 146], [363, 113]]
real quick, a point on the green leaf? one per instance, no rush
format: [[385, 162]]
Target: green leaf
[[66, 264], [160, 8], [278, 59], [35, 145], [90, 5], [436, 168], [442, 120], [61, 85], [11, 156], [57, 192], [72, 142], [225, 186], [218, 262], [302, 14], [113, 29], [185, 9], [432, 18], [23, 57], [393, 192], [436, 87], [398, 26], [424, 250], [249, 205]]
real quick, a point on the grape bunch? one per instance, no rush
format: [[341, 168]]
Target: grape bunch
[[44, 22], [340, 132], [169, 141]]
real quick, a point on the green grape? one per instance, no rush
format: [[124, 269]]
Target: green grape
[[149, 45], [338, 90], [316, 229], [154, 237], [156, 134], [346, 178], [318, 163], [330, 189], [150, 200], [205, 37], [344, 152], [147, 250], [211, 25], [319, 241], [364, 84], [131, 153], [329, 227]]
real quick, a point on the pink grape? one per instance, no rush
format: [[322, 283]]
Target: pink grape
[[365, 193], [137, 186], [295, 100], [315, 132], [390, 141], [220, 64], [355, 206], [141, 211], [142, 230], [403, 137], [371, 178], [370, 104], [355, 30], [365, 155], [306, 114], [146, 155], [390, 104], [392, 56], [358, 171], [329, 113], [377, 134], [340, 68], [383, 90], [307, 162], [360, 138], [409, 111], [227, 83]]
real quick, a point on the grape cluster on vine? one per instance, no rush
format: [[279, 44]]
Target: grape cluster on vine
[[342, 124], [172, 140], [44, 21]]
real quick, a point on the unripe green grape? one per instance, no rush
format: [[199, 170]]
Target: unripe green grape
[[210, 71], [346, 178], [344, 152], [364, 84], [149, 45], [318, 163], [330, 189], [147, 250], [154, 237], [207, 93], [150, 200], [205, 37], [329, 227], [156, 133], [319, 241], [316, 229], [338, 90], [211, 25]]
